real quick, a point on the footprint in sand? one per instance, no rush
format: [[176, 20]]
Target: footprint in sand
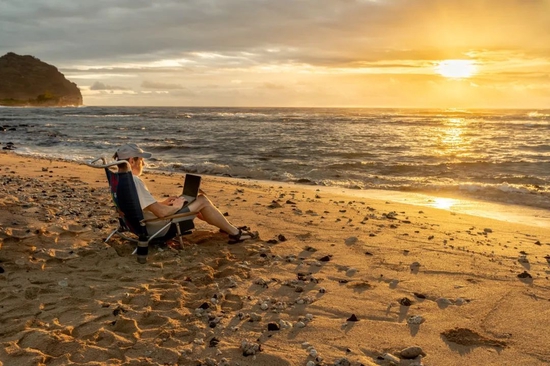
[[16, 234], [468, 337], [232, 302]]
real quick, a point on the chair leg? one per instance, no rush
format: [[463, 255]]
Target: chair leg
[[179, 235], [111, 235]]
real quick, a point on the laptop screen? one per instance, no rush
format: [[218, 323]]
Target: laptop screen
[[191, 186]]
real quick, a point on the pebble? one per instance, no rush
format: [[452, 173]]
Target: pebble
[[261, 282], [442, 301], [342, 362], [214, 342], [63, 283], [351, 240], [250, 348], [411, 352], [415, 320], [284, 324], [391, 358], [255, 317], [313, 352]]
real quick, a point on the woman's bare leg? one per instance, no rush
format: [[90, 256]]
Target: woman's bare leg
[[212, 215]]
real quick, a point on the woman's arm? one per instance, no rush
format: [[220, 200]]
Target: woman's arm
[[167, 207]]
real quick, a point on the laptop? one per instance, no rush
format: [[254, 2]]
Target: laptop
[[191, 185]]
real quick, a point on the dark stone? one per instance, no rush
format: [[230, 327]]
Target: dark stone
[[405, 301], [118, 310], [352, 318], [204, 305], [281, 237], [326, 258], [273, 327], [214, 342], [525, 274]]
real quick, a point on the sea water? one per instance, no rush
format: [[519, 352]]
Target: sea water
[[498, 156]]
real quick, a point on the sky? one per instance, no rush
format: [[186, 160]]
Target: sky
[[291, 53]]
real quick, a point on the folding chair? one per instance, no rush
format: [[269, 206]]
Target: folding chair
[[130, 214]]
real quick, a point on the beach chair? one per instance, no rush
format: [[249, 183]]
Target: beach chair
[[132, 225]]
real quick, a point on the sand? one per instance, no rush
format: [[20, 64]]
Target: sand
[[332, 280]]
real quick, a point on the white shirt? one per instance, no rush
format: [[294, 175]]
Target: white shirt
[[146, 199]]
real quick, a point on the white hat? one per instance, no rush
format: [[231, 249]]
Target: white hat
[[131, 151]]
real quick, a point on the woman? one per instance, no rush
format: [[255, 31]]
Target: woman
[[152, 208]]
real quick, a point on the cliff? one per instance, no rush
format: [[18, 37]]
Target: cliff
[[27, 81]]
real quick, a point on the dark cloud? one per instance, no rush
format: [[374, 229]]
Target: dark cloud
[[101, 86], [67, 32]]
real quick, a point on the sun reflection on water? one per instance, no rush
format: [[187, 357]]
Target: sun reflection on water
[[451, 137]]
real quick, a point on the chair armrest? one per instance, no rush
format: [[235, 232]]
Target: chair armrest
[[170, 217], [94, 163]]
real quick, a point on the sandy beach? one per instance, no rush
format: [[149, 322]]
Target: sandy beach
[[332, 280]]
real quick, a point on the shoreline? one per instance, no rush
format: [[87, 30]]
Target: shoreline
[[334, 279], [508, 212]]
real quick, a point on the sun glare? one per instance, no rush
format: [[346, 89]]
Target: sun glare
[[456, 69], [444, 203]]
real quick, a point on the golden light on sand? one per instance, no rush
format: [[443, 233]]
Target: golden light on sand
[[456, 69], [444, 203]]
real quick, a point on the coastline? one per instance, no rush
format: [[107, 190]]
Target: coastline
[[69, 297]]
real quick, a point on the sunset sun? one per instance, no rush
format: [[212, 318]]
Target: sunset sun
[[456, 68]]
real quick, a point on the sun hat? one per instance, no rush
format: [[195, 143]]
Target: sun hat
[[131, 151]]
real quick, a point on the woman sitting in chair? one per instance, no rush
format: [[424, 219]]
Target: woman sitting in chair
[[157, 209]]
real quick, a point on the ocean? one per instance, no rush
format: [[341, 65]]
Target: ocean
[[498, 156]]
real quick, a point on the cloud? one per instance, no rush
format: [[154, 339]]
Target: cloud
[[101, 86], [300, 31], [138, 43], [158, 85]]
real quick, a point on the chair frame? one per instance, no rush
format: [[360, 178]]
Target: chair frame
[[123, 227]]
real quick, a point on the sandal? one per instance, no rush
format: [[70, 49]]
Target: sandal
[[238, 227], [244, 234]]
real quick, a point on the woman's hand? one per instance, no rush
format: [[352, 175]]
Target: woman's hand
[[169, 201], [177, 202]]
